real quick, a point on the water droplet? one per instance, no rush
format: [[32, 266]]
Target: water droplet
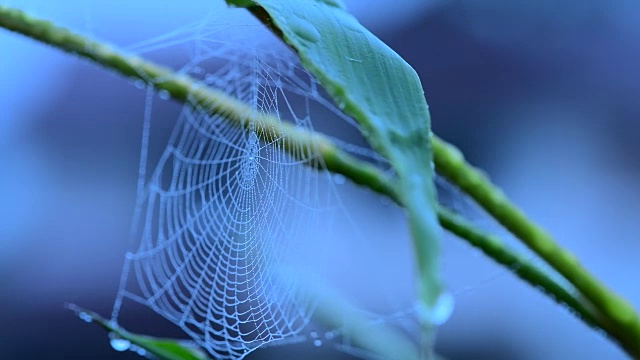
[[441, 311], [139, 84], [342, 105], [313, 335], [339, 179], [120, 344], [330, 335], [304, 29], [317, 342], [164, 94], [85, 317], [140, 351]]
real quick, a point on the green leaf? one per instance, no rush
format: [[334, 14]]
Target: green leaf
[[374, 85], [166, 349]]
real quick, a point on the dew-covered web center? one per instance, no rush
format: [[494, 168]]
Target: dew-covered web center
[[225, 213]]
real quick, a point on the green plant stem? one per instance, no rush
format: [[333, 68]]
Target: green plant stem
[[616, 314], [494, 248], [619, 323], [297, 142]]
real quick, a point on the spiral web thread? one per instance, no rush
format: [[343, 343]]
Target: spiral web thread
[[221, 218]]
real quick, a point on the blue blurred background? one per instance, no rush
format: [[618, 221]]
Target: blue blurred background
[[542, 94]]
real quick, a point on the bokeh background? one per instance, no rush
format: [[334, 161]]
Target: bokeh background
[[541, 94]]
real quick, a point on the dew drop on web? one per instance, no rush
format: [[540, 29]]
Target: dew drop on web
[[339, 179], [120, 344], [139, 84], [164, 94], [85, 317]]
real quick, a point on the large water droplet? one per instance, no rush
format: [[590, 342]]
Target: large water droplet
[[441, 311], [120, 344], [317, 342]]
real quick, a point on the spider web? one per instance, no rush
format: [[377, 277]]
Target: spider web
[[222, 217]]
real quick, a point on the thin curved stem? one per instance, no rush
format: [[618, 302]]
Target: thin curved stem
[[297, 142], [615, 320], [616, 314], [495, 249]]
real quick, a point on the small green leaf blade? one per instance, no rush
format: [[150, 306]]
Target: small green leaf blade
[[165, 349]]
